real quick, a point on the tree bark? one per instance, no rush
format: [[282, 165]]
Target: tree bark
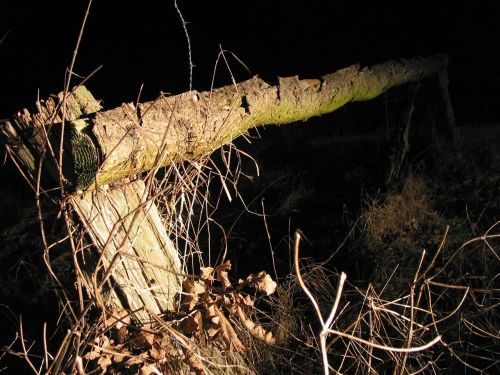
[[134, 138], [137, 262]]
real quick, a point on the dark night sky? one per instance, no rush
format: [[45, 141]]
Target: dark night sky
[[143, 42]]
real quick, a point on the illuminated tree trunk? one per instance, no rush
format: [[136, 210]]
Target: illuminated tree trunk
[[136, 260]]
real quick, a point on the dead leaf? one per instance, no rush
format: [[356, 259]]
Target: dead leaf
[[222, 275], [93, 354], [243, 300], [269, 338], [229, 335], [206, 273], [143, 339], [212, 330], [195, 364], [210, 311], [194, 287], [149, 369], [255, 329], [155, 353], [104, 363], [121, 334], [215, 320], [190, 302], [262, 282], [149, 337], [231, 308], [137, 359], [191, 323], [118, 358]]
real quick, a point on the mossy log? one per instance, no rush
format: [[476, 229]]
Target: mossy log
[[83, 147], [136, 264]]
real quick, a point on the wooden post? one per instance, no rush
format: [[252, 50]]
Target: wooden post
[[138, 261]]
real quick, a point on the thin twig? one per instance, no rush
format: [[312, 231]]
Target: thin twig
[[188, 39], [45, 349], [25, 351], [301, 282], [434, 341]]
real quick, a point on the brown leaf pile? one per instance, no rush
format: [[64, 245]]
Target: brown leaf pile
[[123, 349], [212, 307], [211, 300]]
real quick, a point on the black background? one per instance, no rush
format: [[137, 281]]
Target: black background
[[144, 43]]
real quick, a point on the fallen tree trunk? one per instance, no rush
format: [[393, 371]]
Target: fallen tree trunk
[[109, 145], [187, 126]]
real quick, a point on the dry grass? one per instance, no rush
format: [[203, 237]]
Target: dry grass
[[430, 302], [442, 321]]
